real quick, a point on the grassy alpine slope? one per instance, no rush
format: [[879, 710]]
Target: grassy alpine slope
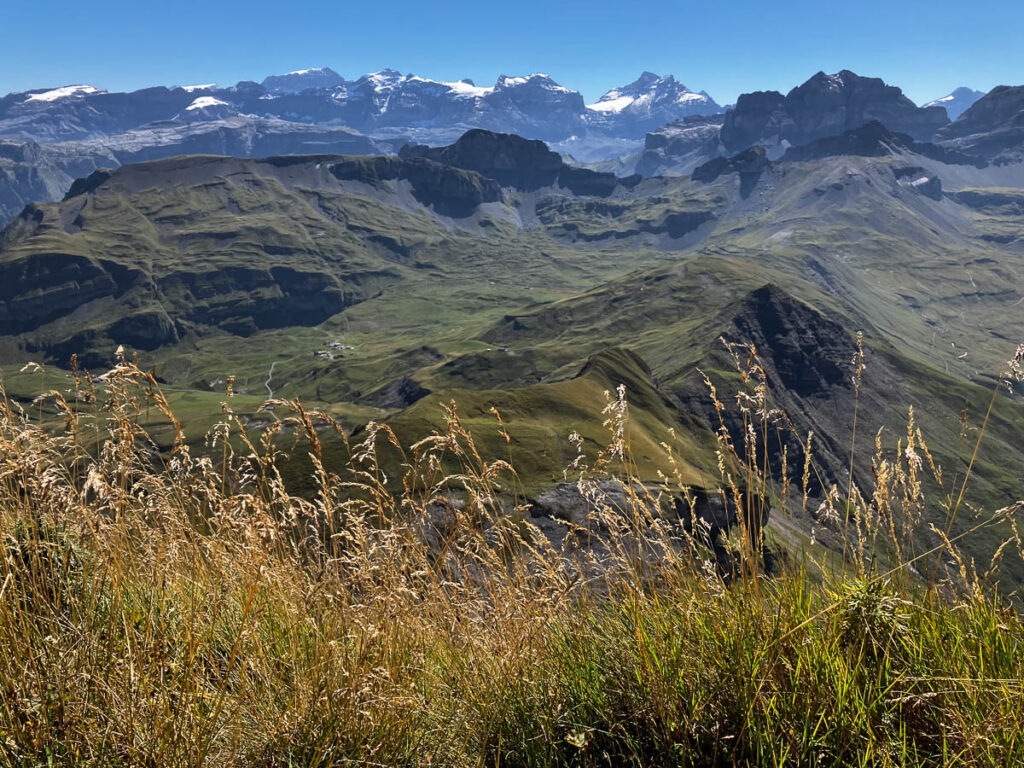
[[183, 608]]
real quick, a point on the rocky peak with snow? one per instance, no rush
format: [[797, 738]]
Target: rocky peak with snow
[[957, 102], [650, 101]]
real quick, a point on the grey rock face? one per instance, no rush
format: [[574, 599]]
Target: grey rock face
[[678, 148], [757, 118]]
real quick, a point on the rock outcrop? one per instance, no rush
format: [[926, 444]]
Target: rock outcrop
[[516, 162]]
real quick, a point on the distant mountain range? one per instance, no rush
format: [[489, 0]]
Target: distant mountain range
[[654, 125], [386, 101]]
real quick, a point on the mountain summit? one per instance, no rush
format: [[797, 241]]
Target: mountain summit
[[651, 101], [958, 102]]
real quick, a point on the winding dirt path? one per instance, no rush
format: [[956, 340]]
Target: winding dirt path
[[270, 375]]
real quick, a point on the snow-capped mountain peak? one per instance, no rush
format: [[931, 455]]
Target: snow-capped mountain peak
[[957, 102], [387, 103], [653, 97]]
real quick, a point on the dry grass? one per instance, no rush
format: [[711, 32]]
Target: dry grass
[[186, 609]]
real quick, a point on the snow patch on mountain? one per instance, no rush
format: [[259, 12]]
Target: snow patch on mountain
[[467, 89], [203, 87], [205, 102], [65, 92], [612, 105]]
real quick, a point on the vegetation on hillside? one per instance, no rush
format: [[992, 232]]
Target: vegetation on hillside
[[183, 606]]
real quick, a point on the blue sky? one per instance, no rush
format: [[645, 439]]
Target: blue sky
[[725, 47]]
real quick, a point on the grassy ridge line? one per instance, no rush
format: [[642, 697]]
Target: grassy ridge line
[[189, 611]]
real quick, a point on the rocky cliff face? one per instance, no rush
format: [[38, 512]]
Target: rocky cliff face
[[680, 147], [757, 118]]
